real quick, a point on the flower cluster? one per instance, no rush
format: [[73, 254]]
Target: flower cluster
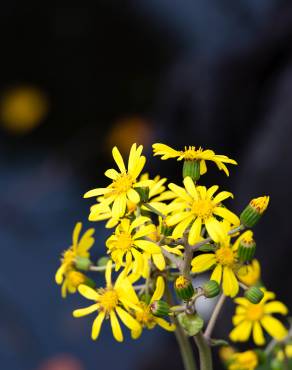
[[166, 234]]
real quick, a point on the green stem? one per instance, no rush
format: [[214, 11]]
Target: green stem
[[185, 348], [214, 317], [204, 352]]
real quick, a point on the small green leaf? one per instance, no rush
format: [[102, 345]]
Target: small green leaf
[[192, 324]]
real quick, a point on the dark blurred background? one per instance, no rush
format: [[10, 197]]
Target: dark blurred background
[[77, 80]]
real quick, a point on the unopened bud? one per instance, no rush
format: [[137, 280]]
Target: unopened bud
[[159, 308], [82, 263], [184, 288], [211, 289], [254, 294], [191, 169], [247, 247], [253, 212]]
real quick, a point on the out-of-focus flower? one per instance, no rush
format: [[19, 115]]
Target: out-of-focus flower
[[247, 360], [250, 274]]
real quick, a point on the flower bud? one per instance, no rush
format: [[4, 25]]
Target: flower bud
[[191, 169], [254, 294], [184, 288], [159, 308], [247, 247], [82, 263], [253, 212], [144, 193], [102, 261], [211, 289]]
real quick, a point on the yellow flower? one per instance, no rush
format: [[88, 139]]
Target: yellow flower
[[65, 274], [145, 316], [196, 203], [122, 188], [224, 260], [111, 301], [226, 352], [247, 360], [288, 352], [251, 317], [250, 274], [192, 154], [260, 203], [128, 248]]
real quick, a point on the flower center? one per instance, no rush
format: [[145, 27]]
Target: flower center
[[124, 241], [123, 183], [76, 278], [144, 317], [190, 153], [108, 299], [225, 256], [202, 208], [254, 312]]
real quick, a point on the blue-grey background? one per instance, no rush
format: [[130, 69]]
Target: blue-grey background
[[215, 73]]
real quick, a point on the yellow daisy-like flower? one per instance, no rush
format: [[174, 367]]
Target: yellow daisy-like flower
[[197, 205], [145, 316], [224, 260], [66, 274], [247, 360], [122, 188], [110, 302], [250, 274], [251, 317], [128, 248], [190, 153]]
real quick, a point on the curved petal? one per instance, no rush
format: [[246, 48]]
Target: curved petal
[[133, 196], [217, 274], [203, 262], [108, 273], [222, 196], [127, 319], [181, 227], [85, 311], [274, 327], [276, 307], [119, 159], [180, 192], [147, 246], [241, 332], [190, 187], [212, 190], [230, 283], [226, 215], [76, 233], [112, 174], [116, 329], [97, 192], [119, 206], [159, 290], [258, 335], [135, 334], [215, 229], [159, 261], [195, 231], [165, 324], [88, 292], [96, 326]]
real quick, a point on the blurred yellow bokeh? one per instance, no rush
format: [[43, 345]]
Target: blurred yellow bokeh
[[22, 108]]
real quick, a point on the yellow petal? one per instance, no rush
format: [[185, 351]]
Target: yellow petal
[[176, 218], [203, 167], [159, 290], [96, 192], [116, 329], [165, 324], [127, 319], [147, 246], [274, 327], [222, 196], [181, 227], [159, 261], [119, 159], [133, 196], [174, 250], [179, 191], [76, 233], [237, 319], [132, 157], [190, 186], [88, 292], [108, 273], [215, 229], [217, 274], [212, 190], [112, 174], [203, 262], [119, 206], [227, 215], [96, 326], [135, 334], [138, 222], [242, 301], [195, 231], [241, 332], [59, 274], [276, 307], [138, 168], [230, 283], [258, 335], [85, 311]]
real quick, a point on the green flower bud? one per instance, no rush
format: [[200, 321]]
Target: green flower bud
[[254, 294], [211, 289], [247, 247], [191, 169], [253, 212], [159, 308], [82, 263], [184, 288], [144, 193], [102, 261], [192, 324]]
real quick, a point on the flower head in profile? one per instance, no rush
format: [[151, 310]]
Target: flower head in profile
[[223, 261], [253, 318], [66, 274], [129, 248], [124, 183], [190, 153], [247, 360], [111, 302], [196, 206], [145, 316]]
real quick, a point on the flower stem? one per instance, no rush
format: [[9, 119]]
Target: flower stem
[[99, 268], [214, 317], [204, 352], [185, 348]]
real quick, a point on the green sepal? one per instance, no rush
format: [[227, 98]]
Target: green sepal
[[82, 263], [191, 169], [211, 289], [192, 324], [159, 308], [102, 261], [207, 248], [184, 289], [250, 216], [246, 250]]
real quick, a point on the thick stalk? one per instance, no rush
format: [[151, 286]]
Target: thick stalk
[[204, 352], [214, 317], [185, 348]]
